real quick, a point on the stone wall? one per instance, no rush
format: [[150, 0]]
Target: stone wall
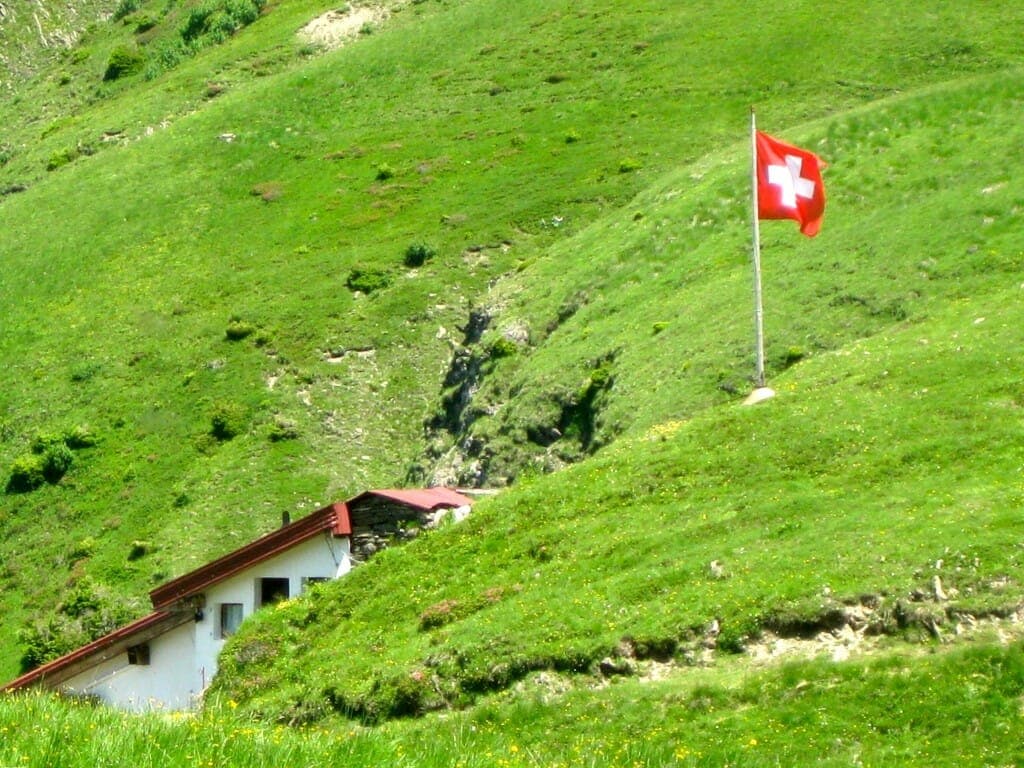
[[378, 523]]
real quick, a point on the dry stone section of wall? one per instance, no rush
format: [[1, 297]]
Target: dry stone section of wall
[[378, 523]]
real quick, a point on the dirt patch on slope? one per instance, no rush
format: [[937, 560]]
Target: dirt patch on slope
[[335, 28]]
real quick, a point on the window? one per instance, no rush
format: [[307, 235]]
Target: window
[[139, 654], [230, 618], [272, 590]]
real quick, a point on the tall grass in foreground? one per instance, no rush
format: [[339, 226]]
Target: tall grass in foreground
[[958, 707]]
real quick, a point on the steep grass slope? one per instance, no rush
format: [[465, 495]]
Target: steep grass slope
[[948, 709], [183, 294], [891, 457]]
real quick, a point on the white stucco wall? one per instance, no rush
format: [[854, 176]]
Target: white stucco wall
[[168, 682], [183, 661], [320, 557]]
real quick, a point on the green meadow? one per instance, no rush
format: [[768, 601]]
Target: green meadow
[[947, 709], [507, 245]]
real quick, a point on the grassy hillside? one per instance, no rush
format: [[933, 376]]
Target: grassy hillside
[[950, 709], [213, 311]]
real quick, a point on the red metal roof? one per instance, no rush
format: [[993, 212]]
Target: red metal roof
[[90, 655], [421, 498], [333, 519]]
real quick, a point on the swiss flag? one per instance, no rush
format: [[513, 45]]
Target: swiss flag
[[789, 184]]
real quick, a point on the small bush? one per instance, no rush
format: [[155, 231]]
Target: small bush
[[367, 279], [503, 347], [50, 458], [283, 429], [84, 371], [143, 22], [140, 549], [80, 436], [629, 164], [126, 7], [62, 157], [123, 61], [417, 254], [238, 330], [216, 20], [87, 613], [384, 172], [167, 55], [56, 461], [228, 420], [82, 549], [792, 356], [26, 474]]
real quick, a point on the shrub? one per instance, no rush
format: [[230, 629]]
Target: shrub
[[238, 330], [56, 461], [166, 55], [143, 22], [80, 437], [80, 54], [50, 458], [629, 164], [227, 421], [126, 7], [283, 429], [792, 356], [417, 254], [216, 20], [84, 371], [140, 549], [385, 172], [124, 60], [42, 442], [26, 474], [503, 347], [87, 613], [61, 158], [82, 549], [367, 279]]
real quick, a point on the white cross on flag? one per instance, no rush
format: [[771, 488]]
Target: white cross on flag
[[789, 184]]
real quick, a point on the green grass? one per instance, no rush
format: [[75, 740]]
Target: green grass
[[579, 174], [950, 708], [809, 502]]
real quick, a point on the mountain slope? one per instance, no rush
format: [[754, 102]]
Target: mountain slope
[[579, 173], [884, 463]]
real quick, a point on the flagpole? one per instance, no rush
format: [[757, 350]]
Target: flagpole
[[758, 310]]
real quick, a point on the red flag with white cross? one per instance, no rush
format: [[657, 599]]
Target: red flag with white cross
[[789, 184]]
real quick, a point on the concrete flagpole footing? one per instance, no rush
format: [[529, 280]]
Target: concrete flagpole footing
[[759, 395]]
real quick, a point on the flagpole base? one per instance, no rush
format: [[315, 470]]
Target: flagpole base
[[759, 395]]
